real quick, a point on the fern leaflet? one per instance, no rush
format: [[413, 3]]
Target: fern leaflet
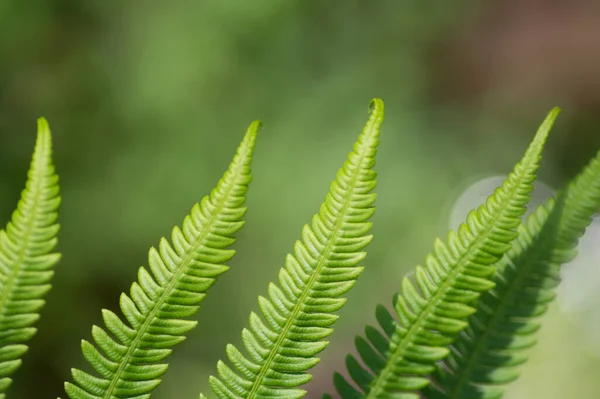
[[163, 298], [299, 313], [26, 257], [435, 311], [486, 354]]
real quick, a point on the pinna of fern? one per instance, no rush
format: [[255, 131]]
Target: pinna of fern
[[27, 258], [486, 355], [129, 358], [433, 309], [299, 312]]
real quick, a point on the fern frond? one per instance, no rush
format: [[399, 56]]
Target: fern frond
[[432, 312], [128, 357], [487, 353], [299, 312], [26, 257]]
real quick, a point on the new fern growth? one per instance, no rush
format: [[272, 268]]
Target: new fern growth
[[130, 362], [299, 312], [459, 331], [27, 258]]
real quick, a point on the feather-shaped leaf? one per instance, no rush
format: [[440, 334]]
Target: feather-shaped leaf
[[299, 312], [432, 310], [26, 257], [487, 353], [128, 357]]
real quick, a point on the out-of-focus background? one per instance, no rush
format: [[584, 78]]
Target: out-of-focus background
[[147, 102]]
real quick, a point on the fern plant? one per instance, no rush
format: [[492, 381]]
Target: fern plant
[[298, 314], [163, 299], [459, 330], [433, 309], [27, 258], [486, 354]]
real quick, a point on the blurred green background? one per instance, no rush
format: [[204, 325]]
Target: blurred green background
[[148, 100]]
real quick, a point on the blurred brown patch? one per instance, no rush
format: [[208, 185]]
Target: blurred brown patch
[[531, 49]]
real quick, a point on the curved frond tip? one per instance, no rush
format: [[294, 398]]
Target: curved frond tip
[[487, 354], [297, 315], [128, 358], [27, 257], [433, 309]]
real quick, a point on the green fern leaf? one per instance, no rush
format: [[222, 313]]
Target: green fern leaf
[[432, 312], [162, 299], [26, 257], [487, 353], [299, 313]]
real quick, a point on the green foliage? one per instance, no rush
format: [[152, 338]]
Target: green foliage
[[163, 299], [26, 257], [460, 328], [298, 314], [486, 354], [433, 309]]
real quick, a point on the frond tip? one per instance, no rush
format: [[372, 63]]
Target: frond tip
[[299, 312], [27, 257], [434, 308], [167, 293]]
